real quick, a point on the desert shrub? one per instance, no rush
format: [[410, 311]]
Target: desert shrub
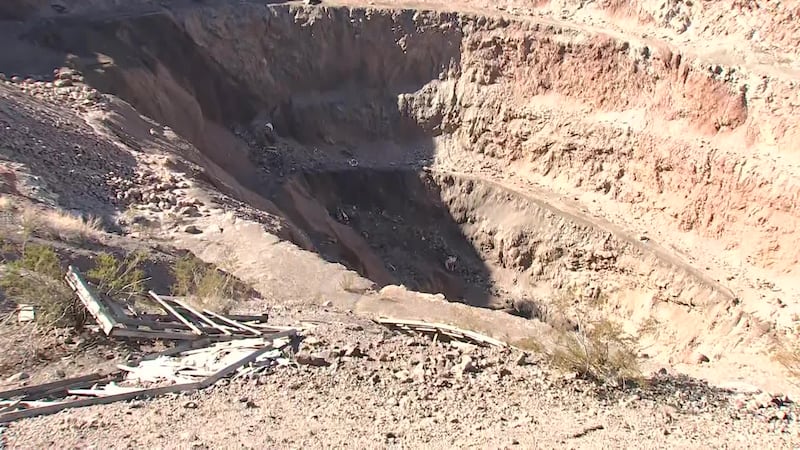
[[600, 351], [36, 279], [119, 278], [529, 344], [55, 224], [41, 259], [529, 309], [208, 286], [649, 327], [350, 283], [788, 355]]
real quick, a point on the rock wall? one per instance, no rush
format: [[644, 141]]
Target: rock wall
[[698, 145]]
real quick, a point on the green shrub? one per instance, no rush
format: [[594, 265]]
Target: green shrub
[[36, 279], [208, 286], [119, 279]]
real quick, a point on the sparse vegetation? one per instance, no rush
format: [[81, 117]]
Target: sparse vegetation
[[529, 309], [56, 224], [208, 286], [119, 279], [36, 279], [530, 344], [649, 327], [600, 351], [350, 283], [789, 357]]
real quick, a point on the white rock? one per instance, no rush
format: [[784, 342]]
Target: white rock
[[17, 377]]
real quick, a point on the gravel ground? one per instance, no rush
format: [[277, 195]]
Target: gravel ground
[[399, 391]]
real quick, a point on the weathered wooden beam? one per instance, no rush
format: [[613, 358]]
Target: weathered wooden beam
[[54, 408], [26, 391], [263, 318], [85, 293], [162, 325], [175, 313], [234, 323], [249, 318], [148, 334], [443, 329], [202, 317]]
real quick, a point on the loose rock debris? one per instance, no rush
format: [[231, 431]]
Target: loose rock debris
[[199, 361], [180, 369]]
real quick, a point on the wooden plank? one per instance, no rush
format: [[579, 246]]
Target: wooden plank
[[47, 387], [183, 347], [175, 313], [106, 391], [85, 293], [234, 365], [249, 318], [443, 328], [9, 406], [202, 317], [256, 321], [20, 404], [51, 409], [234, 323], [177, 336], [136, 322], [244, 342], [146, 334], [273, 328], [263, 318]]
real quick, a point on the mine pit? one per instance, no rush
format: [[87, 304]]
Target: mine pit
[[446, 151], [417, 224], [392, 227]]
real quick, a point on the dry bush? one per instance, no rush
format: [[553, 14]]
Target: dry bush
[[789, 357], [55, 224], [6, 204], [601, 352], [598, 350], [24, 345], [529, 344], [649, 327], [529, 309], [350, 283], [208, 286], [36, 279]]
